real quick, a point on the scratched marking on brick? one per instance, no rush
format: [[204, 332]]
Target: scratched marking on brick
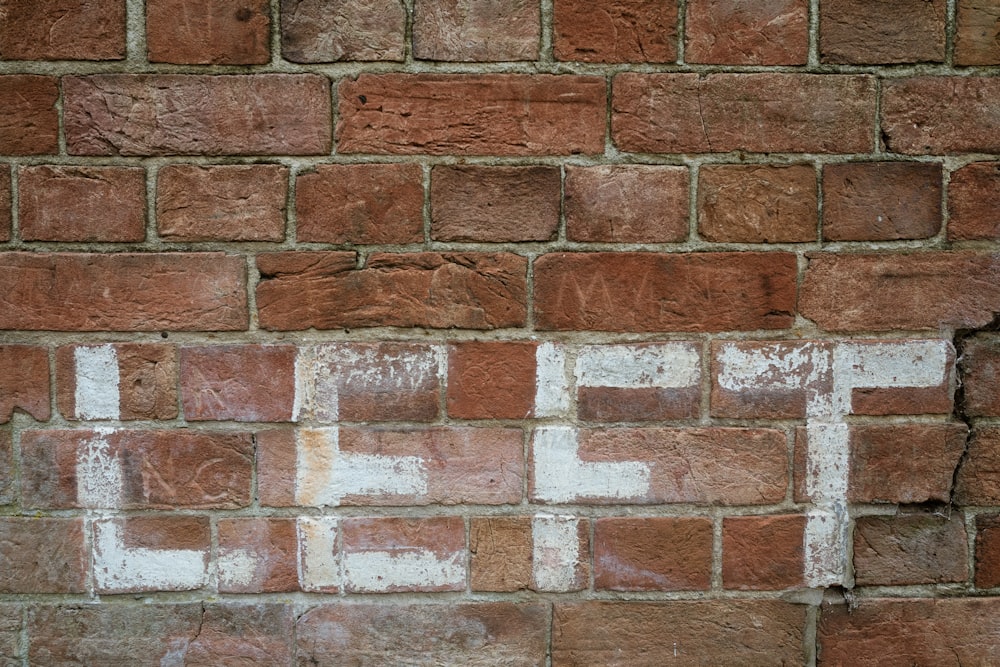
[[97, 382], [99, 473], [119, 568], [555, 557]]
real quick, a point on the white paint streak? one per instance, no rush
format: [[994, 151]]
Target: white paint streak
[[99, 475], [237, 567], [97, 395], [667, 365], [319, 564], [555, 552], [121, 568], [551, 390], [380, 571], [560, 475]]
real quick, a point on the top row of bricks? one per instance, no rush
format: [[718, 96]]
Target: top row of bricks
[[724, 32]]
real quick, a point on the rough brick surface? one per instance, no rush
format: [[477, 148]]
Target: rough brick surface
[[941, 115], [977, 37], [217, 32], [652, 554], [981, 376], [314, 32], [987, 551], [29, 122], [63, 30], [8, 483], [763, 553], [5, 203], [24, 381], [258, 555], [476, 30], [42, 555], [882, 31], [730, 32], [615, 31], [910, 549], [491, 380], [978, 481], [254, 383], [974, 202]]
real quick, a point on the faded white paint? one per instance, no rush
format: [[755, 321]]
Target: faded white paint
[[381, 571], [304, 369], [551, 388], [319, 561], [100, 479], [237, 567], [667, 365], [121, 568], [560, 475], [913, 363], [97, 394], [555, 545]]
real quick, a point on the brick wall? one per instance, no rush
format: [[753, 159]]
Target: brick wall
[[500, 332]]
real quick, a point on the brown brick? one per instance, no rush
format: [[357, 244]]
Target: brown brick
[[881, 31], [5, 203], [164, 469], [258, 555], [654, 292], [762, 113], [42, 555], [82, 203], [221, 203], [325, 290], [909, 549], [24, 381], [478, 634], [626, 204], [974, 202], [615, 31], [254, 383], [216, 32], [8, 481], [712, 632], [940, 115], [313, 31], [63, 30], [978, 481], [987, 551], [476, 30], [980, 366], [885, 292], [29, 122], [977, 36], [757, 203], [652, 554], [12, 650], [881, 201], [731, 32], [243, 634], [121, 548], [763, 552], [471, 114], [500, 553], [499, 204], [360, 203], [491, 380], [282, 114]]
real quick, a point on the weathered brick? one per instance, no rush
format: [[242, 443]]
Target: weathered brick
[[499, 204], [126, 114], [763, 552], [242, 634], [980, 366], [475, 114], [626, 204], [150, 553], [478, 634], [713, 632], [254, 383], [42, 555], [5, 203], [360, 203], [217, 32], [757, 203], [731, 32], [491, 380], [163, 469], [883, 292], [82, 203], [882, 31], [987, 551], [221, 203], [615, 31], [977, 33], [542, 553], [258, 555], [63, 30], [313, 31], [909, 549], [8, 481], [881, 201], [326, 290], [978, 481], [941, 115], [12, 649], [974, 202], [476, 30], [656, 292], [762, 113], [29, 122], [652, 554], [24, 381]]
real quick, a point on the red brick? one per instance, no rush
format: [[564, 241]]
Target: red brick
[[476, 30], [881, 201], [885, 292], [281, 114], [626, 204], [314, 32], [477, 634], [980, 366], [940, 115], [243, 634], [652, 554], [42, 555], [82, 203], [12, 649], [974, 202], [757, 203], [29, 122], [491, 380], [326, 290], [254, 383], [276, 458], [24, 381], [978, 480], [710, 632], [499, 204], [258, 555], [500, 553], [119, 563], [762, 113], [147, 382], [471, 114], [977, 33], [656, 292], [8, 481], [731, 32], [5, 203], [63, 30], [221, 203], [360, 203], [123, 292], [763, 552], [987, 551], [217, 32], [615, 31], [882, 31], [165, 469], [909, 549]]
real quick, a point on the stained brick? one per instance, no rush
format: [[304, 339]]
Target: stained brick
[[63, 30], [5, 203], [987, 551], [313, 31], [652, 554], [940, 115], [258, 555], [909, 549], [470, 30], [981, 376], [882, 31], [24, 381], [974, 202], [42, 555], [253, 383], [730, 32], [213, 32], [763, 552], [615, 31], [978, 481], [977, 34]]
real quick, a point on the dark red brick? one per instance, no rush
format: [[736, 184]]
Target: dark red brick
[[763, 552], [909, 549], [974, 202], [941, 115], [731, 32], [615, 31], [208, 32], [63, 30], [882, 31], [29, 122]]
